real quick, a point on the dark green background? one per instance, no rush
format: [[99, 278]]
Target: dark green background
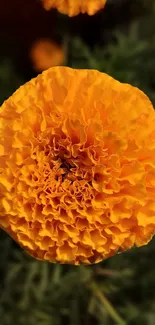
[[120, 41]]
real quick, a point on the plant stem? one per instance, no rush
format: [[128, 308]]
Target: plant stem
[[110, 309]]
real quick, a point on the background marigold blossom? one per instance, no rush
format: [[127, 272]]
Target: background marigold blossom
[[73, 8], [45, 54], [77, 166]]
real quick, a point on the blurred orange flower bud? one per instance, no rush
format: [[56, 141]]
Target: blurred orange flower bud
[[45, 54]]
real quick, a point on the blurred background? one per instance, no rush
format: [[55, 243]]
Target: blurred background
[[119, 40]]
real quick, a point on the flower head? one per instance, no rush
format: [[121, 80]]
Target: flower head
[[74, 7], [45, 54], [77, 166]]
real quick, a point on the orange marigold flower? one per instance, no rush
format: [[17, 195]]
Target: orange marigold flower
[[75, 7], [77, 166], [45, 54]]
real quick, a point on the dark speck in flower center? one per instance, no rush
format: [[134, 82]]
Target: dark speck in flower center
[[64, 171], [66, 165]]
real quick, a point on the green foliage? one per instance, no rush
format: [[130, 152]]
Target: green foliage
[[9, 80], [129, 58], [34, 292]]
